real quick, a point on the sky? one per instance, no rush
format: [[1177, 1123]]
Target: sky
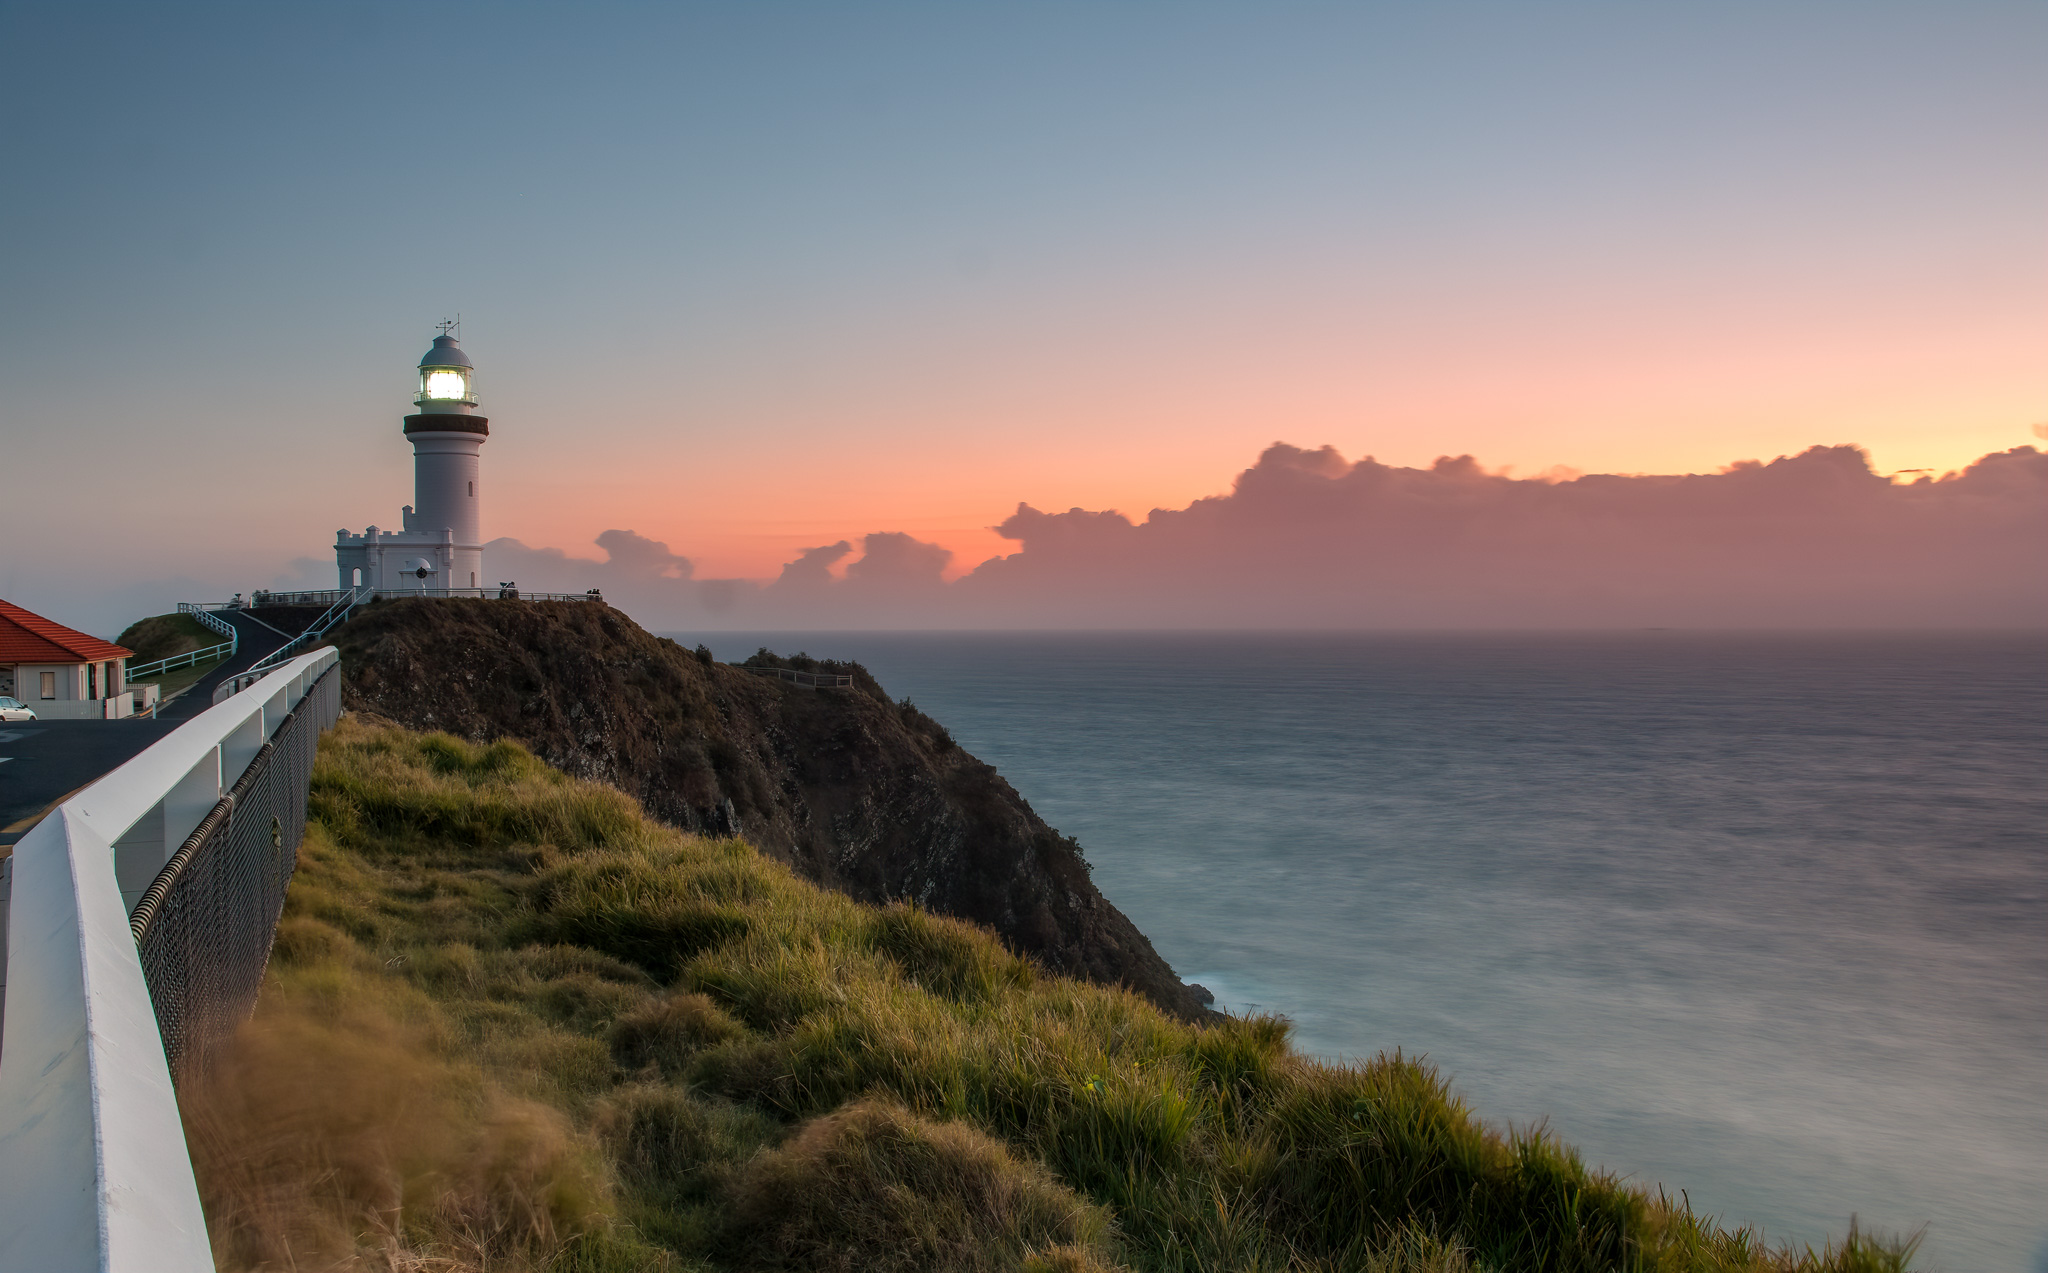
[[752, 280]]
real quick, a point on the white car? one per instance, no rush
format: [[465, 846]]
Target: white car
[[14, 709]]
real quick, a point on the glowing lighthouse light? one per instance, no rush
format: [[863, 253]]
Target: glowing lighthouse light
[[444, 384], [446, 375]]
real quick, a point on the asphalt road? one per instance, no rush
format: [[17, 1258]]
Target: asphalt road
[[256, 639], [41, 762]]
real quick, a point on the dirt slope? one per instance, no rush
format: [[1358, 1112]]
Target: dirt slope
[[850, 789]]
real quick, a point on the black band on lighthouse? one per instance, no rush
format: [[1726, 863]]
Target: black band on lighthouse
[[450, 423]]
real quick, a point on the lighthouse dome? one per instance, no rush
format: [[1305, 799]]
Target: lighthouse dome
[[447, 352]]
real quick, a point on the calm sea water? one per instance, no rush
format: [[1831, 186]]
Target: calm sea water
[[1762, 918]]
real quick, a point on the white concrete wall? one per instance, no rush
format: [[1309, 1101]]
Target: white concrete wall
[[94, 1172], [71, 702], [85, 708], [447, 485], [381, 556], [349, 558], [443, 524], [28, 682]]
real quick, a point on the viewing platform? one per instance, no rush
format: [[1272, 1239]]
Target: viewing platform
[[807, 680]]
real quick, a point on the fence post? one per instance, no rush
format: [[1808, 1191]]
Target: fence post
[[193, 796], [236, 751], [139, 854]]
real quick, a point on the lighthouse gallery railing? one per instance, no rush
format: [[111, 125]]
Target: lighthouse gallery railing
[[196, 837]]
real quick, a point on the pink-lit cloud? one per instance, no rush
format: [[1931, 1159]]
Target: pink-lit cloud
[[1307, 538]]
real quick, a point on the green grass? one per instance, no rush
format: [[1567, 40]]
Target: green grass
[[159, 637], [162, 635], [512, 1023], [169, 683]]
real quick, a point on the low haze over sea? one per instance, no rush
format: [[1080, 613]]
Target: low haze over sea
[[1760, 917]]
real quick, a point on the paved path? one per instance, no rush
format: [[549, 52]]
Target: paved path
[[255, 638], [42, 762]]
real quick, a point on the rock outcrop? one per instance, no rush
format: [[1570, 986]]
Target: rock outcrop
[[856, 792]]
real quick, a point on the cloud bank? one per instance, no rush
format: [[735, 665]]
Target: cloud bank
[[1308, 539]]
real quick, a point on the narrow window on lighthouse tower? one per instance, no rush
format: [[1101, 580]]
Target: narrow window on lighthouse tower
[[472, 489]]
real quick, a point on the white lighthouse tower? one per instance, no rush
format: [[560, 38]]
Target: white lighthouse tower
[[439, 547]]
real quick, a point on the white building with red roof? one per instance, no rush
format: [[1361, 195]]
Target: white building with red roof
[[61, 673]]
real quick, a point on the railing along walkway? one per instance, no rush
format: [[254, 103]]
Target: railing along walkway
[[186, 850], [343, 605], [808, 680], [366, 594], [170, 663], [203, 928], [202, 614]]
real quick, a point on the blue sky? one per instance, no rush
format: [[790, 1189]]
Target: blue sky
[[747, 278]]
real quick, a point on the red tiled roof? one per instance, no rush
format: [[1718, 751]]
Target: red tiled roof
[[27, 637]]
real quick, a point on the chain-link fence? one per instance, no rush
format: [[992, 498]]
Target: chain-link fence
[[205, 926]]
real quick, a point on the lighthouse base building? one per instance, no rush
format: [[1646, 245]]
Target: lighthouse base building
[[438, 547], [392, 560]]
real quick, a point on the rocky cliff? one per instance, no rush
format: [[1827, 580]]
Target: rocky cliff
[[852, 790]]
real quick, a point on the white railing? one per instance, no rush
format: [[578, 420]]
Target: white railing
[[808, 680], [190, 658], [365, 593], [203, 612], [335, 613], [94, 1172]]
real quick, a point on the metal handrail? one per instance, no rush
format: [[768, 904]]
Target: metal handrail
[[332, 615], [368, 594], [190, 658], [808, 680], [202, 613]]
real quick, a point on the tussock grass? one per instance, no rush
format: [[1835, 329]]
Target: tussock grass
[[875, 1187], [513, 1024]]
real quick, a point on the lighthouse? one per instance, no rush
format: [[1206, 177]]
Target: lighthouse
[[438, 547]]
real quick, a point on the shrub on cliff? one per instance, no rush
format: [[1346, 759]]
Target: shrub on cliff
[[565, 1036], [876, 1188]]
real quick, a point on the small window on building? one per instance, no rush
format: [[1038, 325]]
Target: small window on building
[[49, 685], [472, 578], [357, 581], [472, 490], [92, 680]]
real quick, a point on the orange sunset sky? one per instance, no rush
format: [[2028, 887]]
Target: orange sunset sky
[[748, 282]]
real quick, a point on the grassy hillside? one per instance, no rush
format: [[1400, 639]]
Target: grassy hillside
[[855, 792], [514, 1024], [162, 635]]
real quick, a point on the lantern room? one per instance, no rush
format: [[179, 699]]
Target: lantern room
[[447, 378]]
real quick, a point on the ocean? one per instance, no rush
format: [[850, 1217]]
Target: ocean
[[1761, 918]]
